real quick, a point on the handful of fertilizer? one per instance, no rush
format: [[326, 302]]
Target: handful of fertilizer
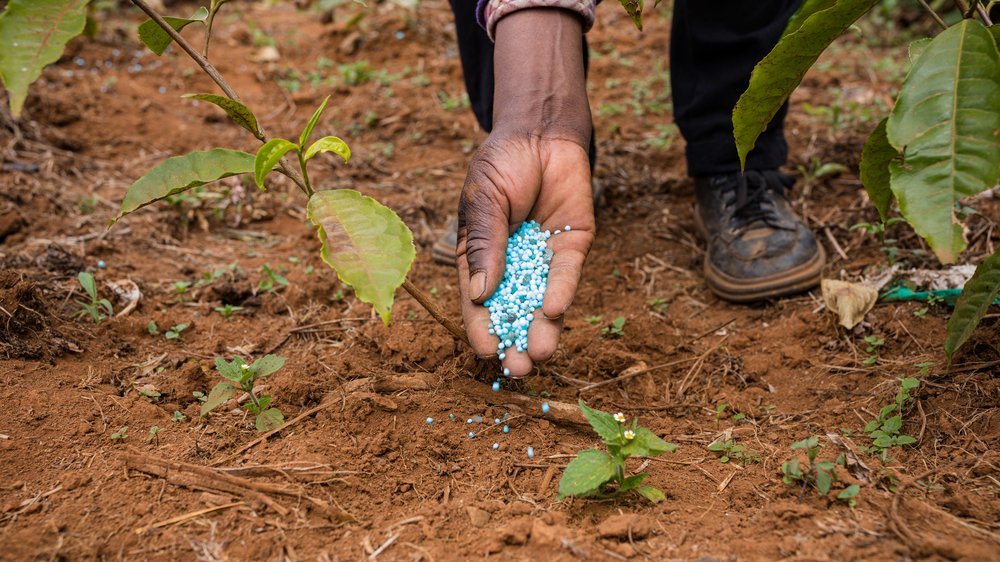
[[512, 306]]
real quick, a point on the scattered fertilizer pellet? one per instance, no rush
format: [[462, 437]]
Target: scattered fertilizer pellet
[[496, 386], [101, 264], [568, 228], [451, 416], [471, 435], [545, 407], [531, 452], [506, 429], [496, 446], [468, 420], [506, 372], [496, 421], [522, 288], [430, 420]]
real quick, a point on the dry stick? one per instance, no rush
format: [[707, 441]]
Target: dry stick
[[436, 312], [633, 374], [185, 517], [933, 14]]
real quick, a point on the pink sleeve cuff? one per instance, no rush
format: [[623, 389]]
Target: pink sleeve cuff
[[493, 10]]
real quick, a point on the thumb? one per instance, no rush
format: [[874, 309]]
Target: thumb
[[483, 227]]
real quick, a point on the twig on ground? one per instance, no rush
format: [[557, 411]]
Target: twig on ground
[[185, 517]]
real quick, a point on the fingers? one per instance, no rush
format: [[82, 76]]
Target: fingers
[[483, 219], [543, 337], [475, 316], [564, 277]]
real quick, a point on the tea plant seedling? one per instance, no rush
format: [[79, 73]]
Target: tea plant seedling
[[819, 474], [121, 434], [850, 495], [175, 331], [874, 344], [272, 282], [199, 396], [594, 320], [616, 329], [240, 376], [180, 287], [731, 451], [153, 434], [178, 416], [884, 430], [227, 310], [600, 474], [152, 328], [98, 309]]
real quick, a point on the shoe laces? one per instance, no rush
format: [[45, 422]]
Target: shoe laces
[[749, 197]]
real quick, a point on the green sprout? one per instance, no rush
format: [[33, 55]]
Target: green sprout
[[599, 474]]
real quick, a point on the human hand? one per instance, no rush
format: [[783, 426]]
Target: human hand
[[534, 165]]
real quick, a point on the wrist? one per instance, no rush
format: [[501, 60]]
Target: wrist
[[540, 86]]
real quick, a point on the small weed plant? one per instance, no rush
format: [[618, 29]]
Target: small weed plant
[[616, 329], [729, 450], [97, 309], [885, 429], [816, 473], [601, 474], [241, 376], [874, 344]]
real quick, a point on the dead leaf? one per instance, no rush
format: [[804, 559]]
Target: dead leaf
[[851, 301]]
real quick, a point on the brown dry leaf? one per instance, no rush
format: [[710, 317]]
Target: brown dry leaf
[[851, 301]]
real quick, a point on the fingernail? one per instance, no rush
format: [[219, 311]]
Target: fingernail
[[477, 285]]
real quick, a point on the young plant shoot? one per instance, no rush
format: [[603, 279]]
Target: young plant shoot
[[599, 474], [241, 376]]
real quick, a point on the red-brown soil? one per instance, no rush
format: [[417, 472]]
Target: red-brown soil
[[428, 492]]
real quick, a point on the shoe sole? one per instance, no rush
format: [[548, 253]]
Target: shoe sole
[[793, 281]]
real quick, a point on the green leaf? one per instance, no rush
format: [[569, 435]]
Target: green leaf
[[892, 425], [153, 36], [634, 9], [774, 77], [883, 441], [945, 122], [849, 492], [917, 48], [586, 473], [88, 284], [329, 144], [872, 426], [651, 493], [365, 242], [604, 424], [267, 365], [808, 8], [905, 440], [910, 383], [977, 295], [875, 158], [33, 34], [269, 419], [995, 30], [236, 111], [646, 444], [824, 479], [218, 396], [230, 371], [307, 132], [181, 173], [633, 481], [268, 157]]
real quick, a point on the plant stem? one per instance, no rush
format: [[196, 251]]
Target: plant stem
[[208, 32], [305, 173], [436, 312], [212, 72], [933, 14], [216, 77]]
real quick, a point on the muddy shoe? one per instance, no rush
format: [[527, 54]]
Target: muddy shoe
[[443, 251], [757, 247]]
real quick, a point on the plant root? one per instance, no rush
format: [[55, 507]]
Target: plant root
[[204, 478]]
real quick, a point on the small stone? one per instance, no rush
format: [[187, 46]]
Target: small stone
[[619, 526], [478, 517]]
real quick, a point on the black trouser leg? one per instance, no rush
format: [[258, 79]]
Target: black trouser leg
[[713, 48], [476, 51]]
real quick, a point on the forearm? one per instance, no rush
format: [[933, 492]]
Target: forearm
[[539, 75]]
